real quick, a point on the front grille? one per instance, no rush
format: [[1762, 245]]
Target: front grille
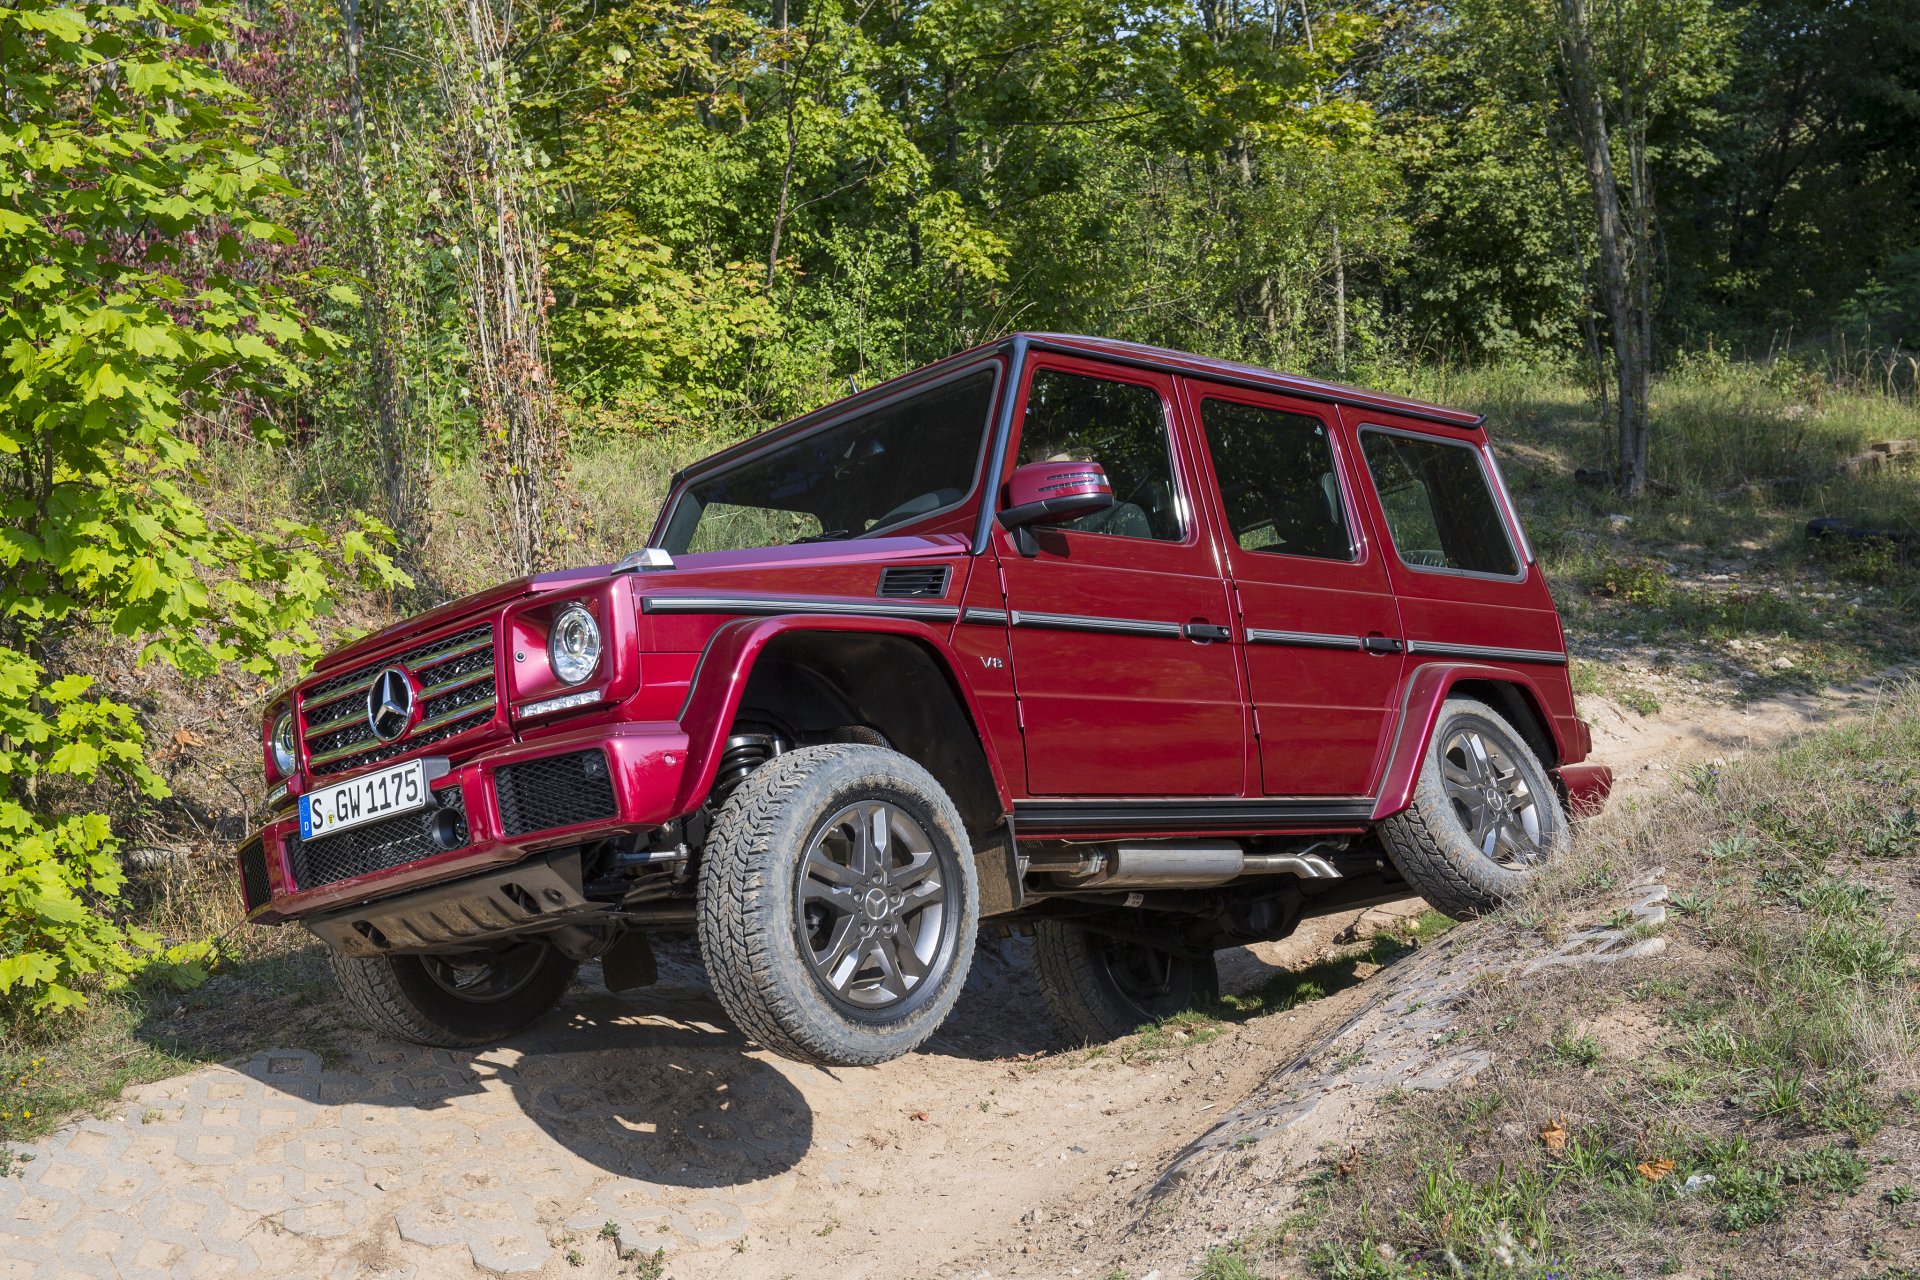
[[457, 692], [374, 847], [253, 874], [554, 791]]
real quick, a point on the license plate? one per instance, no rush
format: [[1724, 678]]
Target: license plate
[[401, 789]]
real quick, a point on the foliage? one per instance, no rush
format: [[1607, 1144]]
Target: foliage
[[134, 206]]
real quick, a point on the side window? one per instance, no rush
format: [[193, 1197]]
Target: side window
[[1440, 509], [1277, 480], [1123, 427]]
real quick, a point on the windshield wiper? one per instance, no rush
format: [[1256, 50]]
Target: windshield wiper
[[831, 535]]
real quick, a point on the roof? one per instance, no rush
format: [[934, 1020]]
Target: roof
[[1113, 349], [1140, 353]]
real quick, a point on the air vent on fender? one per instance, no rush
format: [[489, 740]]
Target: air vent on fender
[[915, 580]]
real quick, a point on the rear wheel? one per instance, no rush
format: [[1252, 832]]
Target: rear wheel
[[1100, 987], [838, 904], [455, 1001], [1485, 816]]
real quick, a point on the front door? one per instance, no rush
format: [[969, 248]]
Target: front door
[[1124, 689], [1323, 638]]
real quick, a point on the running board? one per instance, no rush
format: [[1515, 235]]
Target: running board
[[1044, 819]]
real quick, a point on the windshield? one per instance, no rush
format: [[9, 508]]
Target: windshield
[[871, 473]]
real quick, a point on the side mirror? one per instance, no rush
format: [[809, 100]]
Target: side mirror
[[1052, 493]]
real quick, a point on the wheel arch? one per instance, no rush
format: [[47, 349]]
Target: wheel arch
[[820, 672], [1514, 696]]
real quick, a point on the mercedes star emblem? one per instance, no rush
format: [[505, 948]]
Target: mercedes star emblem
[[390, 704]]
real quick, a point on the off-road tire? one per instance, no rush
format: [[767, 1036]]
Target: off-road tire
[[395, 994], [1074, 965], [1428, 842], [749, 869]]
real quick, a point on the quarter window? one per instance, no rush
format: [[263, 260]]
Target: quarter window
[[1123, 427], [1440, 509], [1277, 480]]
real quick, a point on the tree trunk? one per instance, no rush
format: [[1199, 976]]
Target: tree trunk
[[1339, 301], [393, 437], [1626, 303], [501, 260]]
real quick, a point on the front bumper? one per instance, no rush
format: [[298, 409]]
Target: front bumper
[[644, 764]]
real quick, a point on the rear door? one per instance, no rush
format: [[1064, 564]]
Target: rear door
[[1322, 633], [1123, 689], [1466, 585]]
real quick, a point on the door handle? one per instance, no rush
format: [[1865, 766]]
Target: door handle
[[1205, 631], [1382, 645]]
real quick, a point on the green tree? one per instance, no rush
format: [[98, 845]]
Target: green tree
[[135, 214]]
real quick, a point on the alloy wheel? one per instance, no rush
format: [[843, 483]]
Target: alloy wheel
[[1492, 799], [872, 908]]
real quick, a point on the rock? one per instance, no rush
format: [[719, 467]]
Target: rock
[[1783, 663]]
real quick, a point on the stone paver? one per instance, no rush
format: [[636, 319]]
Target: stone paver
[[403, 1162]]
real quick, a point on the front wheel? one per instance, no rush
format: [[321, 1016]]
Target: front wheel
[[1100, 986], [838, 904], [451, 1002], [1485, 816]]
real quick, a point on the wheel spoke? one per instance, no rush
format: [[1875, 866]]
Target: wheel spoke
[[1483, 768], [879, 833], [840, 960], [914, 875], [823, 869], [908, 958], [886, 954], [840, 898]]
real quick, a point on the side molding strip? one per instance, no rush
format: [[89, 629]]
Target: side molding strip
[[1302, 639], [1084, 622], [772, 605], [1437, 649]]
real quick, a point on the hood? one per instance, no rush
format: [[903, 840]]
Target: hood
[[479, 601], [694, 569]]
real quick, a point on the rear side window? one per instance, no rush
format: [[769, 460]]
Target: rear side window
[[1440, 508], [1123, 427], [1277, 480]]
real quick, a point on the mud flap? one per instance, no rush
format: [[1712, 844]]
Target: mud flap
[[629, 963]]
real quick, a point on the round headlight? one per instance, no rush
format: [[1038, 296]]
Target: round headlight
[[283, 743], [573, 646]]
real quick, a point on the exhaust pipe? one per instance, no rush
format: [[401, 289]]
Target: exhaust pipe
[[1190, 864]]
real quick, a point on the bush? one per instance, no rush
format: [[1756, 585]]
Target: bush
[[130, 251]]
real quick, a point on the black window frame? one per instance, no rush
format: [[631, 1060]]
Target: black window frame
[[1183, 484], [1356, 550], [784, 435], [1522, 563]]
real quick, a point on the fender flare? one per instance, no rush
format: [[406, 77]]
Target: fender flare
[[1420, 702], [726, 665]]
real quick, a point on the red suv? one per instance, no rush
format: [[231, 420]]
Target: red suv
[[1149, 653]]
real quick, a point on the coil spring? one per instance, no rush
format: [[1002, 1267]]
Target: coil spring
[[743, 753]]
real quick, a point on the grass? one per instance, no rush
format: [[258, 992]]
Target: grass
[[1289, 989], [1712, 577], [1775, 1099]]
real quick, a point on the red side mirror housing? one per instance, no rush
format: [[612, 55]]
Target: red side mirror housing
[[1052, 493]]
